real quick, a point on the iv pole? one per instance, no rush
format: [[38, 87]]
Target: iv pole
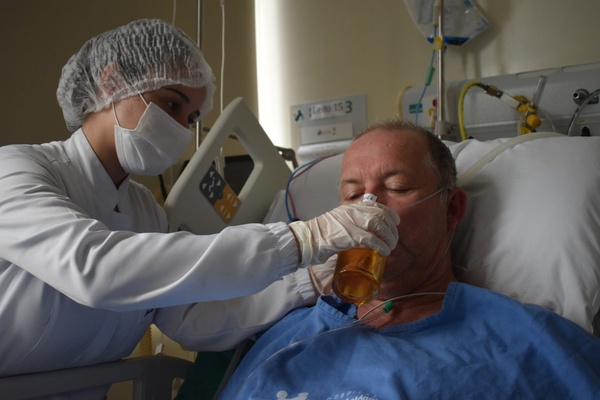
[[443, 129], [199, 44]]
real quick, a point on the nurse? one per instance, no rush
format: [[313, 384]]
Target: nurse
[[86, 263]]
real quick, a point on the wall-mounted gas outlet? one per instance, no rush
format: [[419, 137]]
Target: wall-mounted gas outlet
[[581, 94]]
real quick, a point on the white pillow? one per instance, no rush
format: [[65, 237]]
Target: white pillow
[[532, 226], [314, 190]]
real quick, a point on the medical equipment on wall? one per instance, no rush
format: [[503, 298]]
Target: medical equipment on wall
[[444, 22], [582, 98], [515, 99], [529, 120], [202, 201], [326, 127], [462, 19]]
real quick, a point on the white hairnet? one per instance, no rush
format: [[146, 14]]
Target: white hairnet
[[135, 58]]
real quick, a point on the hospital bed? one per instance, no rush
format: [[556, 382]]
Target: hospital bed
[[151, 377], [532, 224], [531, 231]]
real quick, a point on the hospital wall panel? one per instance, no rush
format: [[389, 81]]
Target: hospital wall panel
[[321, 49]]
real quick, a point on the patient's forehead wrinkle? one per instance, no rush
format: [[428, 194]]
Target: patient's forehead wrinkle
[[394, 171]]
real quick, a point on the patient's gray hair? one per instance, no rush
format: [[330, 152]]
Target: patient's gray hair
[[438, 157]]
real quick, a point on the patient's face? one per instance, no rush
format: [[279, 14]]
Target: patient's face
[[392, 165]]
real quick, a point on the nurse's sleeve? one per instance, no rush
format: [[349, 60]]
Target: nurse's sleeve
[[221, 325], [45, 233]]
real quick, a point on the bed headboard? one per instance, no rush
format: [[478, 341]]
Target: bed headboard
[[202, 202], [532, 227]]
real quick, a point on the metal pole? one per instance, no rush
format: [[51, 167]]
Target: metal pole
[[199, 43], [440, 88], [443, 129]]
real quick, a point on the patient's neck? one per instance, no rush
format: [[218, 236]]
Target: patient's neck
[[411, 308], [401, 312]]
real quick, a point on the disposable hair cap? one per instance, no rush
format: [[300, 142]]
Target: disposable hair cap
[[141, 56]]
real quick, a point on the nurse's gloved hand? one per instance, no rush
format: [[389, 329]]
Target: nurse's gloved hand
[[321, 276], [373, 225]]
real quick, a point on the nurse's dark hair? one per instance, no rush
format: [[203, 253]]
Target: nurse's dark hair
[[439, 156]]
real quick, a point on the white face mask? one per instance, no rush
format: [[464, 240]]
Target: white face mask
[[154, 145]]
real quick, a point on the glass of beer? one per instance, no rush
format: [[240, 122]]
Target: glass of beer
[[358, 274]]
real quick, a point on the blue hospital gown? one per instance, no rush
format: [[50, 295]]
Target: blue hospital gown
[[480, 345]]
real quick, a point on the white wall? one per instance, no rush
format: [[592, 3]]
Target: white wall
[[319, 49]]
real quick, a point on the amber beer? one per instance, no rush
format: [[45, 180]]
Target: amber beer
[[358, 274]]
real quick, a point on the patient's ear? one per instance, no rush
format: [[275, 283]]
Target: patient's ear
[[457, 205]]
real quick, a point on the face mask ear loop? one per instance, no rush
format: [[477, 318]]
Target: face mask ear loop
[[144, 100], [115, 114]]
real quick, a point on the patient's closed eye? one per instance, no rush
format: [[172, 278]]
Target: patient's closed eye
[[398, 190], [353, 196]]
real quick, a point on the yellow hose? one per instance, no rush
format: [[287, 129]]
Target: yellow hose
[[461, 100]]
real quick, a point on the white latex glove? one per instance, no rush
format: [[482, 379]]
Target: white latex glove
[[372, 225], [321, 276]]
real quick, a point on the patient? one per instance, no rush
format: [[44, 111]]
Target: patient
[[437, 338]]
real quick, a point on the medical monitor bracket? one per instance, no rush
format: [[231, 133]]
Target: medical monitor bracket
[[202, 201]]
